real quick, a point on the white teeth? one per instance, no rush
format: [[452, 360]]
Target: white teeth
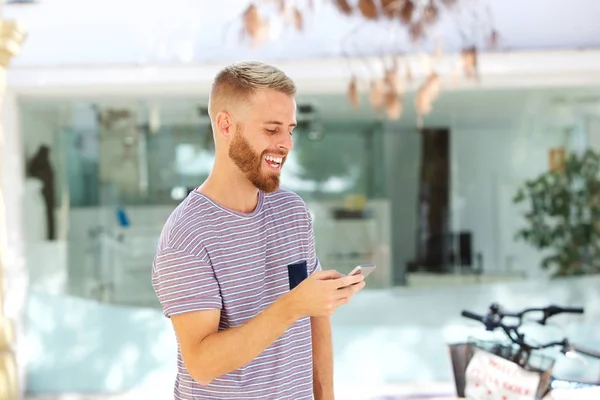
[[278, 160]]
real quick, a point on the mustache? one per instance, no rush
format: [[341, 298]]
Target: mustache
[[281, 153]]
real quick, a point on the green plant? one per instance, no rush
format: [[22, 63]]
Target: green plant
[[564, 215]]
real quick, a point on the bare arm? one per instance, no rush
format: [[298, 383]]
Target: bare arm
[[322, 358], [208, 354]]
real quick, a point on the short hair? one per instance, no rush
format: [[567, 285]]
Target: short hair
[[242, 79]]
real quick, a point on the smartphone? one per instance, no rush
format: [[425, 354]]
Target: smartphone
[[364, 269]]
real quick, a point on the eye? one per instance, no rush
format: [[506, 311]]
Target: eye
[[271, 131]]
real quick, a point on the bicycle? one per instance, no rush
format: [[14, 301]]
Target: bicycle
[[518, 351]]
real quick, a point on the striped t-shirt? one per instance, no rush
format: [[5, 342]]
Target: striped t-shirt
[[210, 257]]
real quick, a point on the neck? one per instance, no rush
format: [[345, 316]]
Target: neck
[[229, 187]]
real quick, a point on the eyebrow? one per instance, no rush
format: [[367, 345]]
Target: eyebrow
[[278, 123]]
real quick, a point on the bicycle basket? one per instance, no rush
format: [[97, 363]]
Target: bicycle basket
[[462, 353]]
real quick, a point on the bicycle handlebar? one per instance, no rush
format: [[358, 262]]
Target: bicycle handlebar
[[493, 320], [469, 314], [495, 315], [573, 310], [584, 351]]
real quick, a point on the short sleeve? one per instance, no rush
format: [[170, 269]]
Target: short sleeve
[[184, 283], [314, 264]]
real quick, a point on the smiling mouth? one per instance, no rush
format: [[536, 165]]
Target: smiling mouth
[[274, 162]]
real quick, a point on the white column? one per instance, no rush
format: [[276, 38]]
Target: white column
[[12, 266]]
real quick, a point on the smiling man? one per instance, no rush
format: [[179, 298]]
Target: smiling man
[[236, 269]]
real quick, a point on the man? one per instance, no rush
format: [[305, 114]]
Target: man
[[236, 268]]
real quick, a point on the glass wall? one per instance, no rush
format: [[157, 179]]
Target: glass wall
[[434, 208], [430, 207], [117, 177]]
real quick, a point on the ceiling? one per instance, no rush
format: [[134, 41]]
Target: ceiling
[[132, 32]]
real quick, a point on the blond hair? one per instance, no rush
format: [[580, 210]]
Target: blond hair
[[241, 80]]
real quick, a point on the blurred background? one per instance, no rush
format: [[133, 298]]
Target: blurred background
[[454, 143]]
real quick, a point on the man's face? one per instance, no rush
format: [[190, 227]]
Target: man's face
[[259, 148]]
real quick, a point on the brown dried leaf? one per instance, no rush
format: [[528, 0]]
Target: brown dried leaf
[[353, 93], [393, 105], [427, 65], [298, 19], [417, 31], [252, 21], [493, 39], [469, 61], [389, 8], [393, 81], [438, 52], [434, 85], [409, 75], [427, 94], [423, 103], [406, 12], [376, 93], [368, 9], [431, 13], [449, 3], [343, 6], [288, 14], [261, 35], [282, 5]]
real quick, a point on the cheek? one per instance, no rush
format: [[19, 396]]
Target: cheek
[[262, 147]]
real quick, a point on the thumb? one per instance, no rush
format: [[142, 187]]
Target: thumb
[[327, 274]]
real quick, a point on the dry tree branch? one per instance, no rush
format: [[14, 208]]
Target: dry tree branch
[[415, 17], [353, 96]]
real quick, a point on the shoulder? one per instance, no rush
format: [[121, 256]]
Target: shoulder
[[288, 205], [189, 224], [284, 197], [286, 201]]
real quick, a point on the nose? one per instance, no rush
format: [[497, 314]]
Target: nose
[[286, 143]]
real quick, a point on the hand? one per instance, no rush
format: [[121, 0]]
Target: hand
[[323, 292]]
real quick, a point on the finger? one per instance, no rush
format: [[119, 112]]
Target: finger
[[349, 291], [327, 274], [337, 275], [358, 286], [349, 280]]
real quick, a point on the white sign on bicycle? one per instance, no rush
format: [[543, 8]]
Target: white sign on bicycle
[[489, 377]]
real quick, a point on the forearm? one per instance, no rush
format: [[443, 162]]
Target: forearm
[[322, 358], [231, 349]]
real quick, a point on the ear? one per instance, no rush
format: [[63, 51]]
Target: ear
[[224, 124]]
